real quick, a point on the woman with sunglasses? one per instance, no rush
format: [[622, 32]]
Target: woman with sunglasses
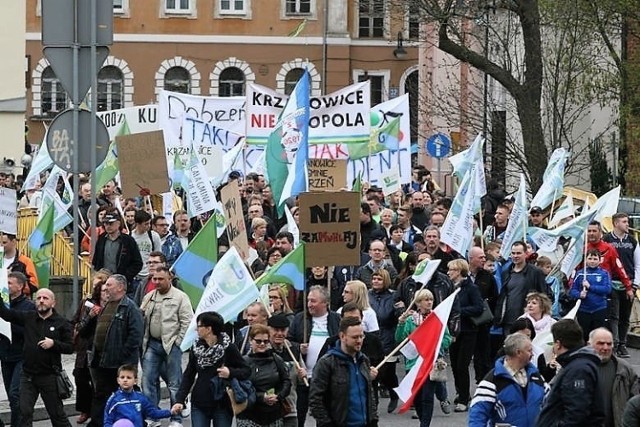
[[270, 378]]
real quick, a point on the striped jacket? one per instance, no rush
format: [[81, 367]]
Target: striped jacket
[[500, 399]]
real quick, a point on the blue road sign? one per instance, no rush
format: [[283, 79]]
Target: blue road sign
[[438, 145]]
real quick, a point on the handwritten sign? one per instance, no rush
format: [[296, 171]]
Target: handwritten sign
[[8, 206], [327, 174], [142, 163], [236, 227], [330, 227]]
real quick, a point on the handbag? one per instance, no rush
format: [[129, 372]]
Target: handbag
[[483, 318], [63, 383], [439, 371], [237, 407]]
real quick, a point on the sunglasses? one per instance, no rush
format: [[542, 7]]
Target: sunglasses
[[261, 342]]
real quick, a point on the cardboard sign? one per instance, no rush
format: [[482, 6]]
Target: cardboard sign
[[143, 163], [330, 226], [236, 227], [327, 174], [8, 208]]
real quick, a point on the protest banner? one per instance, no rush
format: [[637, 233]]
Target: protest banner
[[221, 112], [140, 119], [229, 290], [373, 167], [330, 227], [236, 228], [339, 117], [8, 214], [142, 163], [201, 197], [327, 174], [5, 327]]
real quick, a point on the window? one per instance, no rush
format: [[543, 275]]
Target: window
[[118, 6], [177, 6], [291, 79], [377, 87], [177, 79], [54, 98], [110, 88], [371, 18], [414, 21], [298, 7], [232, 6], [231, 82]]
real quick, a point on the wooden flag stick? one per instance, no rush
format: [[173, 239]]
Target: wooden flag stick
[[393, 352]]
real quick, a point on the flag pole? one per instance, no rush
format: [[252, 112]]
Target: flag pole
[[553, 204], [480, 223], [393, 353]]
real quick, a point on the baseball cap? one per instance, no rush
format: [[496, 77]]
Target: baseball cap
[[109, 218], [536, 209]]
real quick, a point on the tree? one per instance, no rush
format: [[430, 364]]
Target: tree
[[601, 177]]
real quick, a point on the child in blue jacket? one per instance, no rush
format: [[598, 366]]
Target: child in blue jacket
[[126, 403], [593, 289]]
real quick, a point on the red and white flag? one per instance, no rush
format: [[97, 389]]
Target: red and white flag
[[424, 342]]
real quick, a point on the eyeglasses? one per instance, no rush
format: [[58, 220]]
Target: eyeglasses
[[261, 342], [154, 262], [274, 297]]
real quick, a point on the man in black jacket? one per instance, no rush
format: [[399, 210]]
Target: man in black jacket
[[117, 252], [47, 335], [575, 397], [341, 392], [11, 349]]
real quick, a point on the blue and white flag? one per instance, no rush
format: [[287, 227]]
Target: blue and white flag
[[41, 163], [565, 210], [457, 230], [464, 160], [287, 150], [229, 291], [518, 220], [553, 180]]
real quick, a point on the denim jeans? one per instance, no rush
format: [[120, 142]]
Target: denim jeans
[[218, 417], [424, 402], [156, 364], [11, 372]]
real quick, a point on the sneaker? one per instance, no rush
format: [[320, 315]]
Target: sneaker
[[151, 423], [622, 352], [175, 424], [445, 405], [414, 415], [461, 407]]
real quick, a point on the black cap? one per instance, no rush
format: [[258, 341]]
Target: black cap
[[109, 218], [279, 321], [536, 209]]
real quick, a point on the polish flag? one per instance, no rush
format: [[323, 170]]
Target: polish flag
[[424, 343]]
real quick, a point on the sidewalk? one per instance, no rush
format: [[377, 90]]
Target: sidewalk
[[40, 412]]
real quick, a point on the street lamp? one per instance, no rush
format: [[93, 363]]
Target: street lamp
[[400, 52]]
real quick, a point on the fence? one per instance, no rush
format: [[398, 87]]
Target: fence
[[62, 253]]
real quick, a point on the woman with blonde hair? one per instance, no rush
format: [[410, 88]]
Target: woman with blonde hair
[[538, 310], [356, 292], [278, 301], [259, 232]]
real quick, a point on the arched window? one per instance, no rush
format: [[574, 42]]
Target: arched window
[[54, 98], [291, 79], [177, 79], [110, 88], [411, 87], [231, 82]]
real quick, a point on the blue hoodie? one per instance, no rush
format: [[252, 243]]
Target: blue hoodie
[[133, 406], [599, 289], [357, 413]]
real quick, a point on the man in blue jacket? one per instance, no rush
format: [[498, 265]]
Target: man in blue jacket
[[513, 391], [574, 399], [334, 401]]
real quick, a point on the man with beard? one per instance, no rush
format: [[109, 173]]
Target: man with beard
[[47, 336]]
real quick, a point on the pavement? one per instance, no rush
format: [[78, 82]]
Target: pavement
[[395, 420]]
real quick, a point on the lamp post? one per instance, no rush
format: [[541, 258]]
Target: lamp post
[[400, 52]]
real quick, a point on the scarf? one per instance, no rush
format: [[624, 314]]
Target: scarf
[[209, 356]]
